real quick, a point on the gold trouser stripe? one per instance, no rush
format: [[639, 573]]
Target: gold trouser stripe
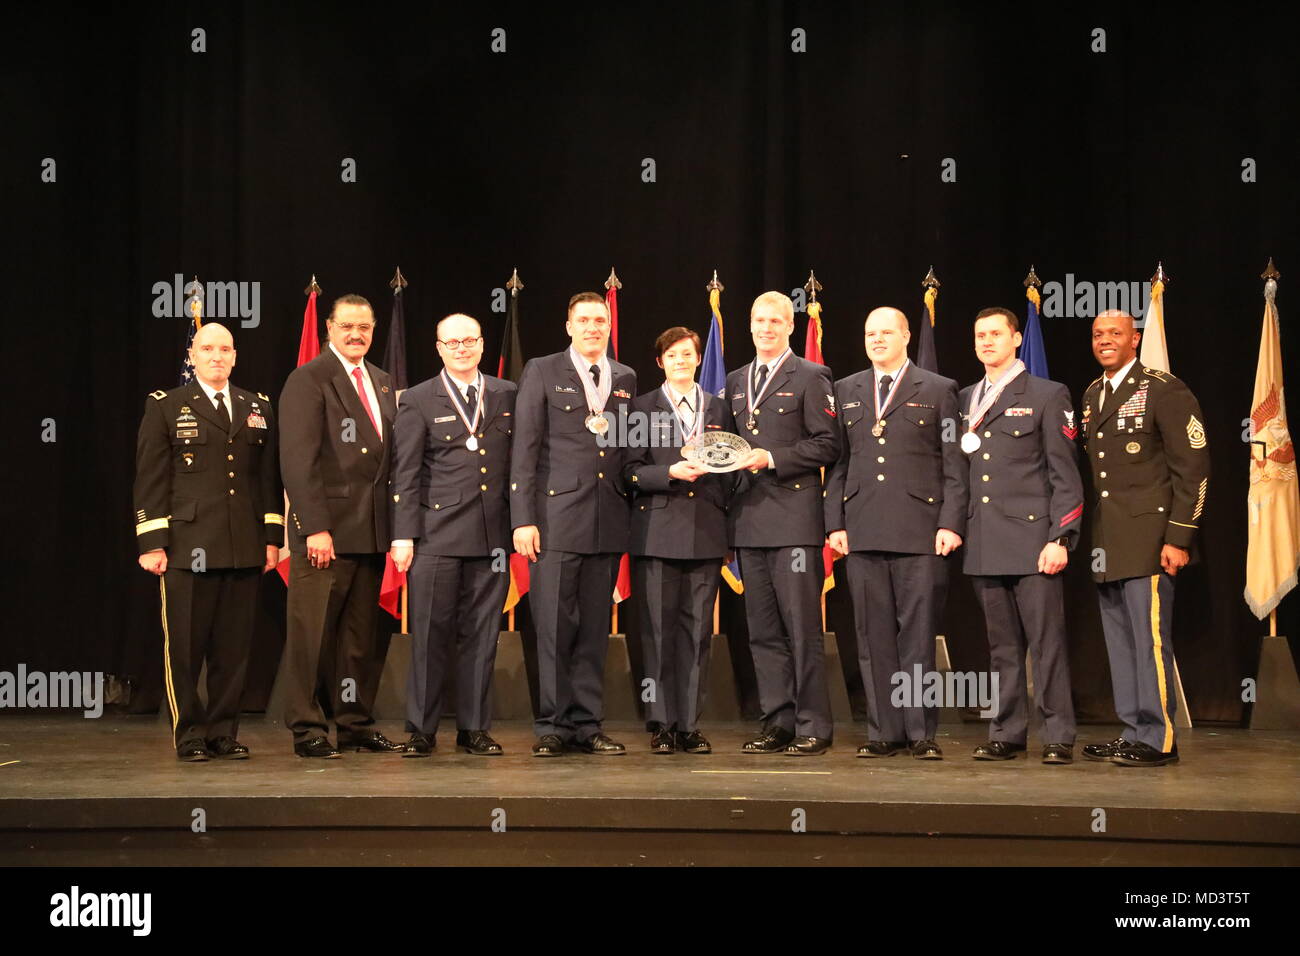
[[153, 524], [1157, 649], [271, 518], [167, 659]]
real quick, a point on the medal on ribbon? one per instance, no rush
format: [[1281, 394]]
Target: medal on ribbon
[[970, 442], [471, 426]]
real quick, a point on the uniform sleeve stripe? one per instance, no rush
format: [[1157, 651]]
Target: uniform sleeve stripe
[[1180, 524], [270, 518], [155, 524], [1072, 516]]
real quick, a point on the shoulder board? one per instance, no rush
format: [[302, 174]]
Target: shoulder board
[[265, 398], [1157, 374], [158, 395]]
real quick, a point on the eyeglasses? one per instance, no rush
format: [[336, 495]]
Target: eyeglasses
[[454, 344], [347, 328]]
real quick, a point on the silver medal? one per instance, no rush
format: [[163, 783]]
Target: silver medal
[[471, 443], [970, 442]]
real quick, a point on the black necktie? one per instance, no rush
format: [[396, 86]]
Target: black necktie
[[595, 375], [473, 398], [1110, 389], [762, 378], [885, 382], [222, 413]]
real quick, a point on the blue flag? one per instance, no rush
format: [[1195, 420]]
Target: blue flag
[[1032, 352], [713, 373]]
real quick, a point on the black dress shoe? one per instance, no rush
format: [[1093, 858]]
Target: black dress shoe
[[478, 742], [316, 747], [549, 745], [420, 744], [773, 741], [1058, 753], [998, 750], [882, 748], [373, 742], [663, 741], [808, 746], [1106, 752], [601, 745], [1142, 755], [192, 751], [926, 750], [227, 748], [694, 743]]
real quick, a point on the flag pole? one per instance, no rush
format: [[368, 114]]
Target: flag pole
[[1270, 274], [514, 284], [397, 283], [812, 287], [716, 286], [612, 285]]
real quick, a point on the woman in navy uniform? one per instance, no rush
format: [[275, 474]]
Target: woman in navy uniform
[[679, 538]]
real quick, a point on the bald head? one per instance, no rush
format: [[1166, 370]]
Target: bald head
[[886, 334], [1114, 340], [460, 346], [212, 354]]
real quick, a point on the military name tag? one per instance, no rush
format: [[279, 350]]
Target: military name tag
[[187, 433], [443, 419], [716, 451]]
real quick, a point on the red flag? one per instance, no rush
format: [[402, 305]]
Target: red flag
[[623, 585], [390, 590], [812, 351], [308, 349]]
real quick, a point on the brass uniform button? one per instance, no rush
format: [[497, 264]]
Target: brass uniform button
[[985, 499]]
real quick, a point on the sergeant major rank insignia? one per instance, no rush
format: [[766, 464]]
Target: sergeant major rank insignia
[[1195, 432]]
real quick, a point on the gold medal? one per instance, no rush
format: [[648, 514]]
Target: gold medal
[[878, 428]]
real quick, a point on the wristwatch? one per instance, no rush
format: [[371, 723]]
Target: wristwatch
[[1063, 541]]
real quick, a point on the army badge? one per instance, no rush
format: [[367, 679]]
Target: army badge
[[1133, 448], [1195, 433]]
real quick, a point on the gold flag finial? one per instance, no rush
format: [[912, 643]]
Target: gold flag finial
[[312, 286], [1160, 274], [715, 284], [398, 282], [812, 286], [612, 282], [1032, 280], [1270, 272], [515, 283], [931, 281], [195, 289]]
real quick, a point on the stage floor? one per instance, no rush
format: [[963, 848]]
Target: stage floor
[[110, 791]]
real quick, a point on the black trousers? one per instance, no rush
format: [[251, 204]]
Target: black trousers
[[898, 603], [1022, 610], [675, 601], [783, 610], [453, 601], [569, 596], [206, 615], [330, 639]]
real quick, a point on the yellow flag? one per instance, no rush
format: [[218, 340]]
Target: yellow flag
[[1273, 503]]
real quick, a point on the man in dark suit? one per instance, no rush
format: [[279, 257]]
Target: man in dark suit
[[1023, 519], [208, 523], [451, 519], [569, 511], [1145, 440], [784, 407], [336, 416], [896, 505], [679, 538]]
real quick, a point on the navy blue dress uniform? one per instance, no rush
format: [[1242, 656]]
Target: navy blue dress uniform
[[335, 464], [679, 538], [1025, 491], [452, 500], [1146, 445], [207, 491], [569, 483], [777, 531], [891, 492]]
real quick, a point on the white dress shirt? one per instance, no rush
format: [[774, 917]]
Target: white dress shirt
[[1117, 380], [371, 397]]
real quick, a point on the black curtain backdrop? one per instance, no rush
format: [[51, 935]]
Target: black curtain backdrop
[[767, 162]]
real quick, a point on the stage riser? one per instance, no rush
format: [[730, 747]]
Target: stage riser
[[405, 847]]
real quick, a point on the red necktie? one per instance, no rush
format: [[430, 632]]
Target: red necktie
[[361, 390]]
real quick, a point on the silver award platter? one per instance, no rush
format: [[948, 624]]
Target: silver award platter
[[717, 451]]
